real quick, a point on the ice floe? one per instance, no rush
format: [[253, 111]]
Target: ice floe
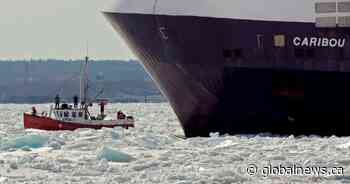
[[26, 142], [110, 154], [150, 153]]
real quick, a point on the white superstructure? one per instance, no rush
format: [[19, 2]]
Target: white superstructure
[[268, 10]]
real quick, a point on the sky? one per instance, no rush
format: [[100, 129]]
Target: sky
[[60, 29]]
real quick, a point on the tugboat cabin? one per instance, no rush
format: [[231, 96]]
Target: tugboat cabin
[[70, 114]]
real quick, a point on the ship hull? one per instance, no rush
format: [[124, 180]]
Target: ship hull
[[49, 124], [230, 76]]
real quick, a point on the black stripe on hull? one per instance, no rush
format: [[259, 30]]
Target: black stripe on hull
[[258, 89]]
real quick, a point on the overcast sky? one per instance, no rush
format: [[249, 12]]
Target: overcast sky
[[57, 29]]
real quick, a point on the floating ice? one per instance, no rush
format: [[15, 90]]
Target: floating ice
[[3, 179], [214, 134], [71, 156], [13, 165], [25, 142], [344, 146], [55, 143], [226, 143], [114, 156]]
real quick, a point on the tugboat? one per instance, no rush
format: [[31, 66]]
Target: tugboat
[[71, 117]]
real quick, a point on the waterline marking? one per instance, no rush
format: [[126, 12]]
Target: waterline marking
[[293, 170]]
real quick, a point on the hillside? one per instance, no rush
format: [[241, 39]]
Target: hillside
[[40, 80]]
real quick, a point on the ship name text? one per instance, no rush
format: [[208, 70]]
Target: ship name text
[[319, 42]]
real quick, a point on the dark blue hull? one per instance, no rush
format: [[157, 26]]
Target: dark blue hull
[[232, 76]]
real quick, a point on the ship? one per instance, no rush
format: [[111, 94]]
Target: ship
[[64, 116], [245, 66]]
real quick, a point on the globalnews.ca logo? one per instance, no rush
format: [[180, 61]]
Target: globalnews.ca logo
[[294, 170]]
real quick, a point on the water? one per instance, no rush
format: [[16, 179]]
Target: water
[[151, 153]]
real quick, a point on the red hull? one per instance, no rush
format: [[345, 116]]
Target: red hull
[[45, 123]]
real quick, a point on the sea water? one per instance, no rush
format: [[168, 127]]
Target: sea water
[[151, 153]]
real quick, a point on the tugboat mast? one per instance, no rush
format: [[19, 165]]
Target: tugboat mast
[[84, 81]]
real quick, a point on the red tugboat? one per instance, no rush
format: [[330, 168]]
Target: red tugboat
[[72, 117]]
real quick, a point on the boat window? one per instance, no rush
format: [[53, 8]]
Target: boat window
[[326, 7], [61, 114], [74, 114], [66, 114], [326, 22], [343, 7], [344, 21], [80, 114], [280, 40]]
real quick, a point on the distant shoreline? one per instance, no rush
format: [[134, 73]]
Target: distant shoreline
[[39, 81], [65, 60]]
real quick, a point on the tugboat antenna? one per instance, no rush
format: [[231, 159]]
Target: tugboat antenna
[[87, 49]]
